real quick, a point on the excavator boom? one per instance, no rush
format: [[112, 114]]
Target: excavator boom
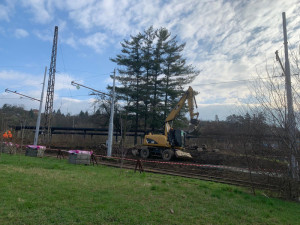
[[190, 97]]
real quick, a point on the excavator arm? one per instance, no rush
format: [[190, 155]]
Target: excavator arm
[[173, 141], [190, 97]]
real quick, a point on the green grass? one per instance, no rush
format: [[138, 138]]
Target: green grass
[[51, 191]]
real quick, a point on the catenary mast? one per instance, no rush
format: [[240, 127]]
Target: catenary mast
[[50, 90]]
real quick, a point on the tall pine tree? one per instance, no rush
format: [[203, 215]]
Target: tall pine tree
[[147, 61], [152, 76], [131, 76]]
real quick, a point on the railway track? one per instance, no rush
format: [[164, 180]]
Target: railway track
[[208, 174], [201, 174], [206, 177]]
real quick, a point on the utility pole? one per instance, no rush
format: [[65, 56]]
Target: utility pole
[[50, 90], [37, 128], [111, 120], [291, 123]]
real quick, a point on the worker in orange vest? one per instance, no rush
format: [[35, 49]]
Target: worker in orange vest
[[9, 134], [5, 135]]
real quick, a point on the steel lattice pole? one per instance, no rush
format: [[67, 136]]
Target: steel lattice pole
[[50, 90]]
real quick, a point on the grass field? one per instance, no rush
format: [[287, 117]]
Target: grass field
[[51, 191]]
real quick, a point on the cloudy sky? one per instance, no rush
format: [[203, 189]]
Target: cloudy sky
[[227, 40]]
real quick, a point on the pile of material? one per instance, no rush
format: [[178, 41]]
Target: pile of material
[[80, 157], [182, 155], [9, 147], [35, 150]]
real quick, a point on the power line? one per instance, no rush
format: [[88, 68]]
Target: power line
[[83, 71], [16, 98], [4, 66], [58, 69], [73, 96], [234, 81], [62, 55]]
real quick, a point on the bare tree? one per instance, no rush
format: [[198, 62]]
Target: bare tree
[[269, 99]]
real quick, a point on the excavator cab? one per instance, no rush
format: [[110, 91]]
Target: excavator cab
[[176, 138]]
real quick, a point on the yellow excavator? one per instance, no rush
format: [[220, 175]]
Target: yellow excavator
[[172, 142]]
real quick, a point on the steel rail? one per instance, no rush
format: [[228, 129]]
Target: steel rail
[[211, 178]]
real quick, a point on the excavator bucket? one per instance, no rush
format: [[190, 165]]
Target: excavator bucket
[[194, 123], [182, 155]]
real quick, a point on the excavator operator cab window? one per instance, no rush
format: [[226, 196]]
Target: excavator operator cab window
[[183, 138], [177, 138], [150, 141]]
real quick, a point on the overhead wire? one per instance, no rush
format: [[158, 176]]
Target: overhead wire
[[14, 98], [5, 66], [234, 81], [75, 95], [62, 56]]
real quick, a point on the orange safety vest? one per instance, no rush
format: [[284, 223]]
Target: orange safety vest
[[5, 136]]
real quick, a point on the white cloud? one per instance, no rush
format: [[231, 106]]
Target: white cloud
[[63, 81], [4, 13], [41, 10], [6, 10], [18, 80], [44, 35], [62, 24], [21, 33], [70, 41], [209, 111], [116, 16], [72, 4], [96, 41], [11, 75], [73, 106]]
